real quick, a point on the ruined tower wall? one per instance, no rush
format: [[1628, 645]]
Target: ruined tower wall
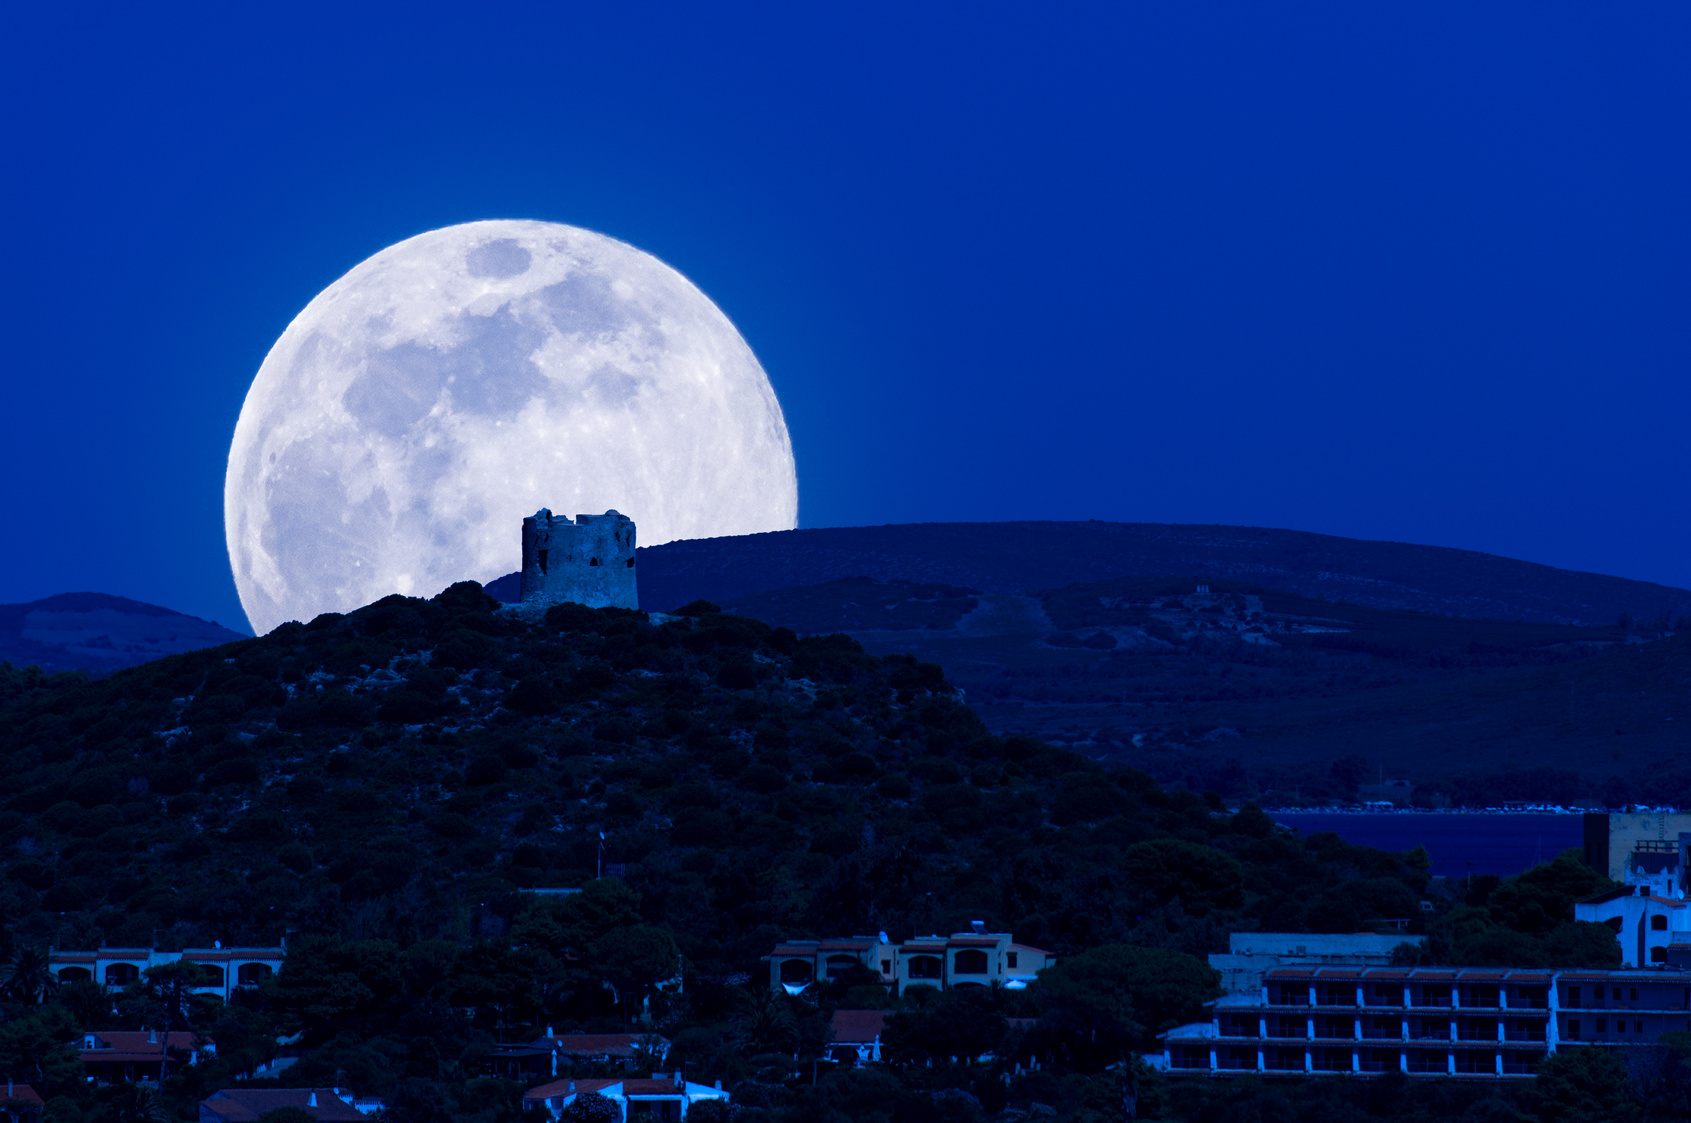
[[589, 561]]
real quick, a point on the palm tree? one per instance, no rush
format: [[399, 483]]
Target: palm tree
[[764, 1023], [136, 1103], [28, 976]]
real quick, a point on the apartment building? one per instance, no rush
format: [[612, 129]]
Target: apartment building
[[1479, 1023]]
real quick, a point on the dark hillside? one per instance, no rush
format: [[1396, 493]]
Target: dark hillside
[[749, 783], [1250, 690], [1026, 557], [99, 633], [381, 788]]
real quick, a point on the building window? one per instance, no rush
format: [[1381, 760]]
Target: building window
[[122, 974], [1573, 1029], [1573, 998], [1009, 959], [1658, 955], [796, 971], [1658, 923], [75, 974], [886, 966], [252, 974], [838, 965], [925, 967], [211, 974], [971, 962]]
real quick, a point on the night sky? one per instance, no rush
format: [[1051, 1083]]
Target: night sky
[[1415, 272]]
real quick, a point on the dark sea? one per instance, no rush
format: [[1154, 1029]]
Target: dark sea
[[1458, 843]]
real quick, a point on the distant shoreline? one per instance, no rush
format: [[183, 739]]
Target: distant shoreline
[[1535, 809]]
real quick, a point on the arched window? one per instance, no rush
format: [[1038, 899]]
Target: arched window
[[839, 964], [925, 967], [970, 962], [211, 975], [75, 974], [1658, 955], [122, 974], [797, 971], [1658, 924], [251, 974]]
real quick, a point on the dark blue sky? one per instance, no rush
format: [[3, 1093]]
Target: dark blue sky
[[1397, 271]]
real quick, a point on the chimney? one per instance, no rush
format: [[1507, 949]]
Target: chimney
[[311, 1100], [719, 1083], [550, 1032], [152, 1037]]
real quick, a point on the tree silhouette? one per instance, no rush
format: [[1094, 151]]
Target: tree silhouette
[[28, 976]]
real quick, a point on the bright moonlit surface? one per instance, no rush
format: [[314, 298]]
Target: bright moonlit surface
[[423, 404]]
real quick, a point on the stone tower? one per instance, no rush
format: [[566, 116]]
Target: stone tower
[[589, 561]]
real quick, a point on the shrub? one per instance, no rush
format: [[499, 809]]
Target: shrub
[[532, 695], [591, 1107]]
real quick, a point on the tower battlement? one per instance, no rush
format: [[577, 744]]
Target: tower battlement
[[589, 561]]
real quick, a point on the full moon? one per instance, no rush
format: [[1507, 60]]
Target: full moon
[[420, 406]]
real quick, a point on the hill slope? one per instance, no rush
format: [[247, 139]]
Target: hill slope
[[1029, 557], [99, 633], [381, 787], [1243, 688]]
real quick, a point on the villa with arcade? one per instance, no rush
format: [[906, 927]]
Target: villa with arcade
[[225, 969]]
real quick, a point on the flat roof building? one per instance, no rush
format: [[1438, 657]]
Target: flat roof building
[[1467, 1022]]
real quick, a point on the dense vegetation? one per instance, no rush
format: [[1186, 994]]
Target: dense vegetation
[[381, 788]]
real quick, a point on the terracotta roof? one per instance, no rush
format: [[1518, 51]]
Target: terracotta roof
[[20, 1093], [858, 1027], [595, 1044], [1629, 891], [245, 1105], [566, 1088], [123, 1046], [648, 1087], [1028, 947]]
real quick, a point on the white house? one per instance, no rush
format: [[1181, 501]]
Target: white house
[[662, 1097]]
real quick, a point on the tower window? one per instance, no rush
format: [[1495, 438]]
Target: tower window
[[543, 554], [593, 561], [630, 563]]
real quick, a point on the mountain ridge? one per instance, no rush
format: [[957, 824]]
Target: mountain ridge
[[1035, 556], [100, 632]]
